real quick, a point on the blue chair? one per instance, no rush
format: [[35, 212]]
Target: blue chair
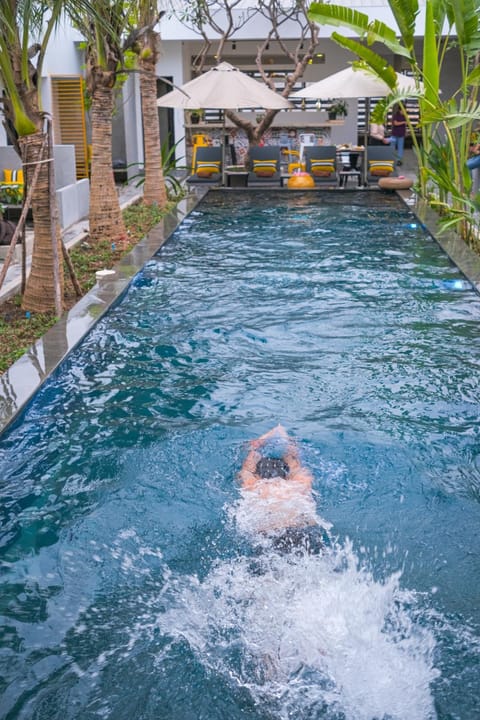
[[208, 166], [321, 164]]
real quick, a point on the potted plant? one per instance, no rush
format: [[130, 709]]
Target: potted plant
[[196, 116], [337, 107]]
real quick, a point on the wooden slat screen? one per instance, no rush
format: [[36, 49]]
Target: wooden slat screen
[[69, 126]]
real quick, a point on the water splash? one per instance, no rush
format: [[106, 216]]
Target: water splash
[[309, 633]]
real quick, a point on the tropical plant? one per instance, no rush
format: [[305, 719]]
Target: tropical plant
[[25, 30], [197, 115], [170, 167], [11, 194], [104, 51], [379, 112], [449, 122], [337, 107]]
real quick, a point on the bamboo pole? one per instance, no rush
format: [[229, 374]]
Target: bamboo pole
[[54, 224], [71, 270], [23, 217]]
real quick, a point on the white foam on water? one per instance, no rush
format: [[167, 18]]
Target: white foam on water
[[309, 633]]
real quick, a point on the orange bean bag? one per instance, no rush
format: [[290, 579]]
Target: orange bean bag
[[300, 181], [395, 183]]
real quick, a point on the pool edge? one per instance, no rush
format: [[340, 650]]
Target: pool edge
[[21, 381], [465, 259]]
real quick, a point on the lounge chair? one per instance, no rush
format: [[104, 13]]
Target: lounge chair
[[264, 165], [321, 164], [380, 162], [208, 166]]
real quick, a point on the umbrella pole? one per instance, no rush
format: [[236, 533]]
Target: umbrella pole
[[367, 132], [223, 151]]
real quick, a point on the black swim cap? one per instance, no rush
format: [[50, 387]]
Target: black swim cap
[[271, 467]]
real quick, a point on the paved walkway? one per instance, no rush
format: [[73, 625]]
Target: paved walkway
[[71, 237]]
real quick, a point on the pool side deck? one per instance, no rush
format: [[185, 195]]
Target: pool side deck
[[24, 377]]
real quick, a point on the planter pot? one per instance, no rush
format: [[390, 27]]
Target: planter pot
[[332, 116], [13, 212]]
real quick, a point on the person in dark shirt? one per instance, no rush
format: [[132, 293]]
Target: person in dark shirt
[[399, 129]]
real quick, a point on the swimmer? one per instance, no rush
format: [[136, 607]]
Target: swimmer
[[278, 489]]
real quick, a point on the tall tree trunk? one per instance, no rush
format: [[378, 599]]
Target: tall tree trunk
[[40, 288], [154, 190], [106, 220]]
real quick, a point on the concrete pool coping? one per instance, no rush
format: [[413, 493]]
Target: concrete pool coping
[[22, 380], [466, 260]]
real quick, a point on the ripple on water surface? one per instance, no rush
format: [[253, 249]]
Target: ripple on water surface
[[132, 588]]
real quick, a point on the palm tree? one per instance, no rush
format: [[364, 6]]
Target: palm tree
[[104, 63], [20, 70], [147, 46]]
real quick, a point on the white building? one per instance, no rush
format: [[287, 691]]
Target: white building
[[179, 44]]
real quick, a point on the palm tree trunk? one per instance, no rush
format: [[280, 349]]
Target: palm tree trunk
[[40, 290], [154, 190], [106, 220]]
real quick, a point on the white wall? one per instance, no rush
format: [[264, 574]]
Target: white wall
[[175, 63]]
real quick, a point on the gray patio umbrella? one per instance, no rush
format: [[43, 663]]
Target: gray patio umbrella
[[224, 87], [354, 83]]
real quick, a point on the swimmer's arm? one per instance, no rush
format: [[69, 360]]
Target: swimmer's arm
[[247, 475], [298, 472], [303, 477], [278, 430]]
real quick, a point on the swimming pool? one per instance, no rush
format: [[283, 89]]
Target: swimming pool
[[130, 585]]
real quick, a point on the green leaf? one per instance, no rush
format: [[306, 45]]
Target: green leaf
[[373, 31], [473, 78], [465, 15], [439, 9], [405, 13], [453, 119], [373, 62], [431, 70]]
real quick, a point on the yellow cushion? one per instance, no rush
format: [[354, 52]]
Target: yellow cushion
[[322, 168], [264, 168], [206, 168], [13, 176], [381, 167]]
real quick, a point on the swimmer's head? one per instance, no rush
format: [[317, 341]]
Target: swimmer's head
[[268, 467]]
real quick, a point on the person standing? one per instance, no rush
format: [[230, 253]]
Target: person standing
[[399, 129], [377, 134]]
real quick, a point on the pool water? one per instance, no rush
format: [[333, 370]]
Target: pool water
[[132, 584]]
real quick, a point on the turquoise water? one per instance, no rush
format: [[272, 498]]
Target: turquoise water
[[131, 587]]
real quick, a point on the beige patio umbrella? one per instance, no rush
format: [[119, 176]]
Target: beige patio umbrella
[[224, 87], [355, 83]]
